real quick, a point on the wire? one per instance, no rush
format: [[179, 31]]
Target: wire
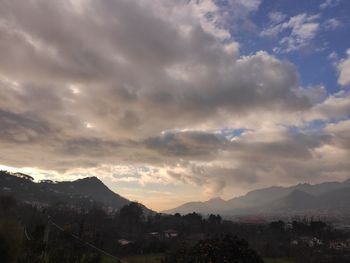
[[87, 243], [26, 233]]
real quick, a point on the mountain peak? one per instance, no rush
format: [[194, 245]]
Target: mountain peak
[[90, 189], [91, 179], [274, 199]]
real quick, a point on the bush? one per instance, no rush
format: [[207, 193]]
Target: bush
[[227, 249]]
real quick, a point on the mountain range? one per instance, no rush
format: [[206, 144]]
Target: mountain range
[[328, 197], [87, 192]]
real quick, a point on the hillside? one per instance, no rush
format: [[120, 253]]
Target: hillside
[[300, 198], [85, 192]]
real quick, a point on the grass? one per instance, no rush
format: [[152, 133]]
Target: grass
[[278, 260], [151, 258], [155, 258], [106, 259]]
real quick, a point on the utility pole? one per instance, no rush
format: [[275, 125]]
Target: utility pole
[[46, 240]]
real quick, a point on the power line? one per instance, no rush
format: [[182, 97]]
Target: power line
[[26, 233], [86, 243]]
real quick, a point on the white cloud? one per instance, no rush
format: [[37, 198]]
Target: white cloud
[[329, 3], [344, 70], [222, 19], [334, 58], [277, 17], [251, 5], [211, 19], [296, 33], [336, 106], [332, 24]]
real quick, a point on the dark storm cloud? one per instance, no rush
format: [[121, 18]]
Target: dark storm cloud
[[19, 128], [297, 147], [186, 144]]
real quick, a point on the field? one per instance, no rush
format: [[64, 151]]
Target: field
[[155, 258], [278, 260], [152, 258], [109, 260]]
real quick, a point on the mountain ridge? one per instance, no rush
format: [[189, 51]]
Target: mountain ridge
[[84, 193], [297, 198]]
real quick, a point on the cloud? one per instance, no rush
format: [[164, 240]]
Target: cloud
[[277, 17], [296, 33], [332, 24], [329, 3], [112, 64], [340, 133], [186, 144], [334, 107], [156, 92], [232, 16], [224, 18], [258, 157], [334, 58], [344, 70]]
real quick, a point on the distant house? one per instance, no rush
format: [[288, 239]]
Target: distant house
[[38, 205], [7, 189], [315, 242], [288, 226], [294, 242], [309, 241], [340, 244], [109, 210], [170, 233], [166, 234], [124, 242], [155, 235]]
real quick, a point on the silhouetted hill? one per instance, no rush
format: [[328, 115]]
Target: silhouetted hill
[[216, 205], [300, 198], [82, 193], [296, 201], [336, 199], [88, 187]]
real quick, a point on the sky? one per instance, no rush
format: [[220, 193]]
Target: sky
[[179, 100]]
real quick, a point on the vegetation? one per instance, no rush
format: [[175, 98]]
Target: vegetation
[[151, 258], [224, 249], [278, 260], [48, 234]]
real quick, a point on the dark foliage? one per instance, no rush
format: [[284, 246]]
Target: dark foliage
[[27, 236], [227, 249]]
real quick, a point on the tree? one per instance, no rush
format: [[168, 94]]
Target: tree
[[317, 227], [228, 249], [131, 213], [7, 202], [24, 176], [277, 226], [214, 219]]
